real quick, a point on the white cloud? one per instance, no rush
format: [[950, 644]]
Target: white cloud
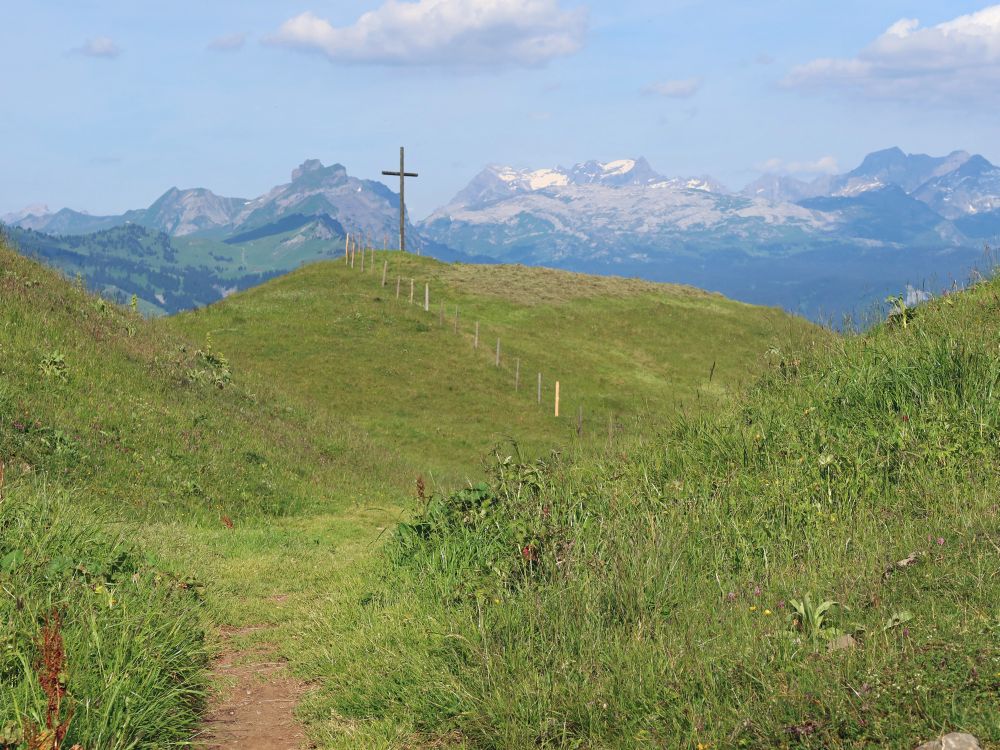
[[957, 61], [466, 33], [228, 43], [678, 89], [99, 46], [822, 165]]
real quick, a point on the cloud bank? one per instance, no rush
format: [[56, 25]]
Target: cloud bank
[[679, 89], [462, 33], [99, 46], [955, 62]]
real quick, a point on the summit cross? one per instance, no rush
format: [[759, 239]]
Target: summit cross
[[402, 174]]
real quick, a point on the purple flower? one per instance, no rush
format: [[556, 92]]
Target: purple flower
[[781, 604], [731, 596], [756, 590], [906, 632]]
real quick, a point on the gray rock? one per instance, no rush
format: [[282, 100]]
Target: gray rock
[[842, 643], [953, 741]]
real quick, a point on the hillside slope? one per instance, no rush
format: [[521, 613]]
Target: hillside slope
[[344, 344], [813, 566], [167, 496]]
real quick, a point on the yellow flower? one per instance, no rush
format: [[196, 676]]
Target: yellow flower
[[767, 611], [753, 607]]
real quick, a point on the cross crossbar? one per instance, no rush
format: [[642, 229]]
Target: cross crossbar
[[402, 174]]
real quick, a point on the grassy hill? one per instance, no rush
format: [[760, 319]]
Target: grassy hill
[[814, 565], [342, 343], [161, 487], [795, 547]]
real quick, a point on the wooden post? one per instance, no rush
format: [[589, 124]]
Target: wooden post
[[539, 387], [498, 353], [475, 341], [456, 318], [398, 279], [411, 291], [611, 425], [557, 398], [385, 270], [517, 373], [353, 252], [347, 242], [363, 254], [427, 297]]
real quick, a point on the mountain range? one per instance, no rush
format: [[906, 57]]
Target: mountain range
[[822, 248]]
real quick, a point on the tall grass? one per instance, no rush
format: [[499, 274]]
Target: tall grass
[[642, 597], [132, 641]]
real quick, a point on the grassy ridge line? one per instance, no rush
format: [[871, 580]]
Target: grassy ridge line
[[646, 597], [618, 347]]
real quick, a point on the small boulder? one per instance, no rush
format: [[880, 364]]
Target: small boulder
[[842, 643], [953, 741]]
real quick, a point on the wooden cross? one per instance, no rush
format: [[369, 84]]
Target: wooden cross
[[402, 174]]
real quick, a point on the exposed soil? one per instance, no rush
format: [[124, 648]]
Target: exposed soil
[[255, 704]]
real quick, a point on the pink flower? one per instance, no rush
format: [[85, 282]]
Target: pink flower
[[731, 596], [940, 540], [756, 590]]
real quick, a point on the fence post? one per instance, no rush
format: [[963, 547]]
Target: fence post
[[539, 387], [398, 279], [411, 291], [557, 398], [363, 254], [385, 270], [498, 353], [354, 251], [475, 341], [517, 373], [456, 318], [427, 297], [347, 242]]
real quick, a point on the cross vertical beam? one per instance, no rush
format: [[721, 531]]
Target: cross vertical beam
[[402, 174]]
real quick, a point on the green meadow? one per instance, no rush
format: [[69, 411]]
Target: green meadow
[[759, 534]]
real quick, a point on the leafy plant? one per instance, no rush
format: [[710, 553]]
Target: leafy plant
[[899, 310], [811, 619], [53, 365]]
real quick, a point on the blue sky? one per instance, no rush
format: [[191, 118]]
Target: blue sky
[[108, 104]]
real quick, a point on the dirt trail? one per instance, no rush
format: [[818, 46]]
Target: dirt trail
[[254, 710]]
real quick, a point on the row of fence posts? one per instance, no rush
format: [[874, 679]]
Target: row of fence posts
[[352, 247]]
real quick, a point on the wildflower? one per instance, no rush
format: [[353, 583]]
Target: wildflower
[[731, 596], [940, 541], [906, 632], [767, 612], [906, 418], [753, 607], [756, 590], [781, 604]]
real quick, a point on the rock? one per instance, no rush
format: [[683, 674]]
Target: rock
[[953, 741], [842, 643], [959, 741]]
